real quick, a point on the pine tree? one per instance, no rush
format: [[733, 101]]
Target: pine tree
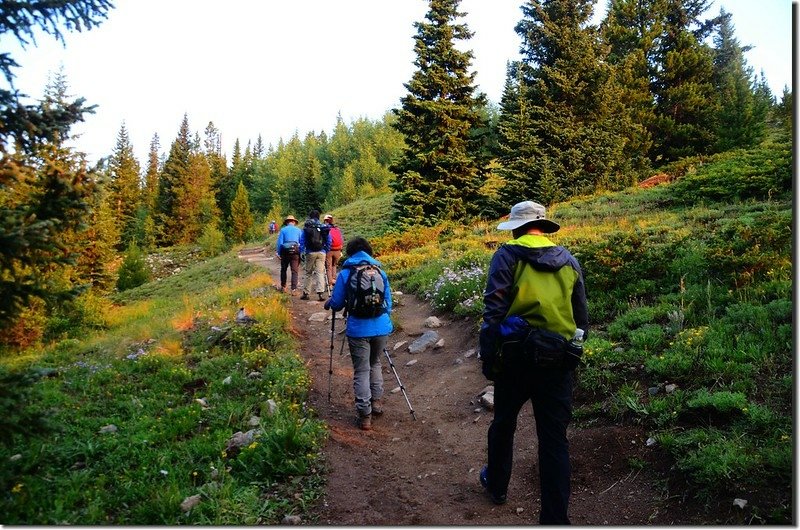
[[686, 106], [134, 271], [196, 206], [562, 118], [45, 189], [440, 172], [152, 175], [124, 189], [311, 172], [258, 149], [784, 111], [241, 218], [173, 177], [741, 121], [228, 181], [631, 29], [517, 144], [216, 161], [98, 244]]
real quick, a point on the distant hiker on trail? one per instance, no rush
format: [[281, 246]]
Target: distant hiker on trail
[[535, 302], [315, 242], [362, 289], [335, 253], [272, 227], [288, 250]]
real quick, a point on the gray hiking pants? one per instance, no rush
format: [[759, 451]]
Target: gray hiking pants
[[367, 377], [315, 272]]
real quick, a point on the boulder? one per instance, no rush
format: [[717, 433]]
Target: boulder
[[433, 322], [428, 339], [318, 317]]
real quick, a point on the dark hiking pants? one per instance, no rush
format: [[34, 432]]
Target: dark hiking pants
[[290, 261], [550, 391]]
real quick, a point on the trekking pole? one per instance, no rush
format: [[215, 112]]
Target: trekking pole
[[327, 285], [402, 388], [330, 365]]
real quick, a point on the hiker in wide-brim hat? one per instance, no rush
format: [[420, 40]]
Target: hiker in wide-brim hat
[[529, 212], [288, 250], [534, 292]]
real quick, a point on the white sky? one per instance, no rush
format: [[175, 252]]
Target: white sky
[[273, 67]]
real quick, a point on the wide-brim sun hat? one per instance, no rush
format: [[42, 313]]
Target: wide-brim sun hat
[[289, 218], [526, 212]]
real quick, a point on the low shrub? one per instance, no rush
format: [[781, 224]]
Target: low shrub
[[134, 271]]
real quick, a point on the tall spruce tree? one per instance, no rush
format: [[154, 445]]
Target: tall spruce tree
[[98, 244], [196, 206], [124, 187], [173, 177], [686, 106], [228, 181], [741, 121], [631, 29], [152, 174], [46, 190], [562, 117], [241, 217], [440, 172]]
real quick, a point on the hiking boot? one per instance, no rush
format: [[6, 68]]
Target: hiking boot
[[377, 407], [320, 297], [304, 297], [294, 292], [365, 423], [497, 499], [282, 289]]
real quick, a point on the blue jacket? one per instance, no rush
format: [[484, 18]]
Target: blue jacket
[[287, 234], [361, 327]]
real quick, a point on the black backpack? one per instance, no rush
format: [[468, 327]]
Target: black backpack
[[365, 291], [316, 234]]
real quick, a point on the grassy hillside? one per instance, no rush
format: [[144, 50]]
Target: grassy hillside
[[690, 293], [126, 423]]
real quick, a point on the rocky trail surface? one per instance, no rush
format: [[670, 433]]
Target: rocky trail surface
[[425, 471]]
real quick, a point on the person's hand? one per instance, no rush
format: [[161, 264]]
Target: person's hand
[[327, 304]]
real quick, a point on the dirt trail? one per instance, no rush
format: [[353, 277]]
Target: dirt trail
[[425, 472]]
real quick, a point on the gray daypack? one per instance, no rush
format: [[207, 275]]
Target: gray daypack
[[366, 291]]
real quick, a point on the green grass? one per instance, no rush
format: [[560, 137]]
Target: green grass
[[175, 399], [689, 287]]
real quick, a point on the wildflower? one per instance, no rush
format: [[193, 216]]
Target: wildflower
[[17, 488]]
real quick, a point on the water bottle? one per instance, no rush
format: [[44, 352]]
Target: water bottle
[[576, 343]]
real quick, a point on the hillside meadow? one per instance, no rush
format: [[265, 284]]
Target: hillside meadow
[[690, 299], [123, 419]]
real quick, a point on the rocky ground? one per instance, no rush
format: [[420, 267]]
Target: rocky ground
[[425, 471]]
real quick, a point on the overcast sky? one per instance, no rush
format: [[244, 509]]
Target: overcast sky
[[274, 67]]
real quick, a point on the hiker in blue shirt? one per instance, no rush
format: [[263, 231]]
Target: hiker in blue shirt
[[288, 250], [367, 336]]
